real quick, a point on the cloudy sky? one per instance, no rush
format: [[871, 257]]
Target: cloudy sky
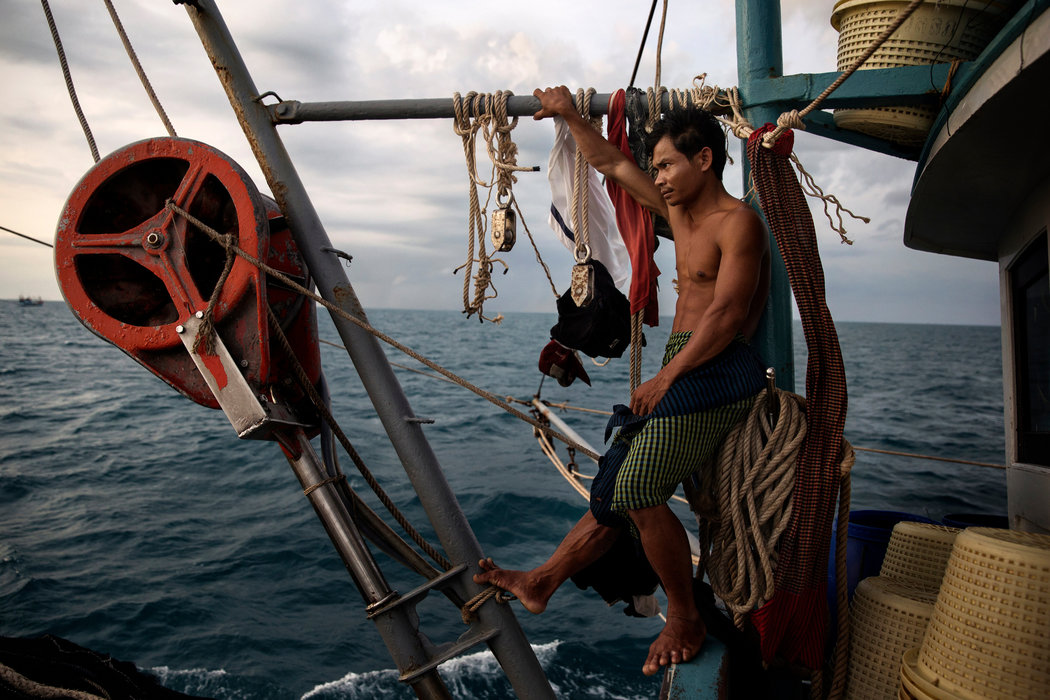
[[394, 194]]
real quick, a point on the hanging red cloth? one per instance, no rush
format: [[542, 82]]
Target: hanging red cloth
[[792, 623], [635, 224]]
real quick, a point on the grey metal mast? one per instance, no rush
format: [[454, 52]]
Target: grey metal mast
[[495, 624]]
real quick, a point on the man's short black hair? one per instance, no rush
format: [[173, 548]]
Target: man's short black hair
[[690, 130]]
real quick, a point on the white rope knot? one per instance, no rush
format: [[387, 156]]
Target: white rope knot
[[791, 120]]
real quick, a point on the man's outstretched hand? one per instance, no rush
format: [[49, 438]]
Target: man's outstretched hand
[[554, 101]]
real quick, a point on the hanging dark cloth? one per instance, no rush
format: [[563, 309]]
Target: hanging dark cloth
[[637, 111], [792, 624], [635, 224]]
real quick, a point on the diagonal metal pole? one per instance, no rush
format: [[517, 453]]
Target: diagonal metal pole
[[510, 646]]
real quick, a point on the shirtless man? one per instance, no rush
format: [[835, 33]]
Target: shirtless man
[[708, 380]]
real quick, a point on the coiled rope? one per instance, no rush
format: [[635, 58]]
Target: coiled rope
[[750, 507], [756, 474], [33, 689]]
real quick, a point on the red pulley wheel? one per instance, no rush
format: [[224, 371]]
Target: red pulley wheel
[[130, 268]]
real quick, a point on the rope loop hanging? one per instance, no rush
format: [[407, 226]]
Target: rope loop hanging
[[485, 116], [580, 198]]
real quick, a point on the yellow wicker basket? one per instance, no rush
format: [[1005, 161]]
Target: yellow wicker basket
[[887, 617], [937, 32], [989, 635], [917, 554]]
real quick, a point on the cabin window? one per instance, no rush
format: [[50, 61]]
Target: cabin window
[[1031, 321]]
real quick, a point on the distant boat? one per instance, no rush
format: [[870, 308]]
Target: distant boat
[[30, 301]]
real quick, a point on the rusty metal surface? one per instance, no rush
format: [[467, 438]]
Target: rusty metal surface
[[132, 271]]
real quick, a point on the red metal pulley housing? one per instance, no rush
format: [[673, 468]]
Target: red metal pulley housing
[[132, 270]]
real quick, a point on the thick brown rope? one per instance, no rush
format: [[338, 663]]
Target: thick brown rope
[[364, 325], [33, 689], [205, 341], [660, 44], [756, 476], [472, 605]]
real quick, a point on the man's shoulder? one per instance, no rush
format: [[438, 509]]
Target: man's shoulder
[[740, 221]]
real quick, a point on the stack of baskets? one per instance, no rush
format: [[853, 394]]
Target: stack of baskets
[[953, 615], [989, 635], [937, 32], [890, 612]]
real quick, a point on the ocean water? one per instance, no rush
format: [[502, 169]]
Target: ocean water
[[135, 523]]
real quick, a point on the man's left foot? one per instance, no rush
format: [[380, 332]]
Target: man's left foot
[[679, 641]]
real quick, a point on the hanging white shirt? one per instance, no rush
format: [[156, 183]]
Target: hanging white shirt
[[606, 244]]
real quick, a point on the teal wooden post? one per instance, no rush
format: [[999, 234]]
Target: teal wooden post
[[759, 56]]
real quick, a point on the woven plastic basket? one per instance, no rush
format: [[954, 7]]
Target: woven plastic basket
[[915, 685], [989, 635], [917, 554], [887, 618], [937, 32]]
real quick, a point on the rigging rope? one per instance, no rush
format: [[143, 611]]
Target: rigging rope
[[743, 129], [320, 404], [660, 44], [641, 47], [365, 326], [69, 80], [793, 118], [138, 69], [28, 238], [580, 212]]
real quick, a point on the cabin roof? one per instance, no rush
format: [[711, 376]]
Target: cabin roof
[[986, 152]]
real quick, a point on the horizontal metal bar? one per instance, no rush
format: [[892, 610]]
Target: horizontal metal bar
[[867, 88], [295, 112], [877, 87]]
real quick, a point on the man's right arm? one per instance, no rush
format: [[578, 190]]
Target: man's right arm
[[602, 155]]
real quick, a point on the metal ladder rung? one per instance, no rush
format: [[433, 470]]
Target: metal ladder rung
[[413, 596], [448, 651]]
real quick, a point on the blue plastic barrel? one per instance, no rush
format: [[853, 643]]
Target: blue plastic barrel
[[964, 520]]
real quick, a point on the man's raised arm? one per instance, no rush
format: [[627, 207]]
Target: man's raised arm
[[602, 155]]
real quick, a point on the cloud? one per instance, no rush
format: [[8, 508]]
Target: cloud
[[394, 194]]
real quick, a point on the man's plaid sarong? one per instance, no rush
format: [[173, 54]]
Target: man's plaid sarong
[[652, 454]]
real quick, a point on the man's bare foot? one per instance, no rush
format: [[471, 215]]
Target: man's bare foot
[[679, 641], [521, 583]]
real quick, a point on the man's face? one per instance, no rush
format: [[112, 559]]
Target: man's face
[[679, 179]]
